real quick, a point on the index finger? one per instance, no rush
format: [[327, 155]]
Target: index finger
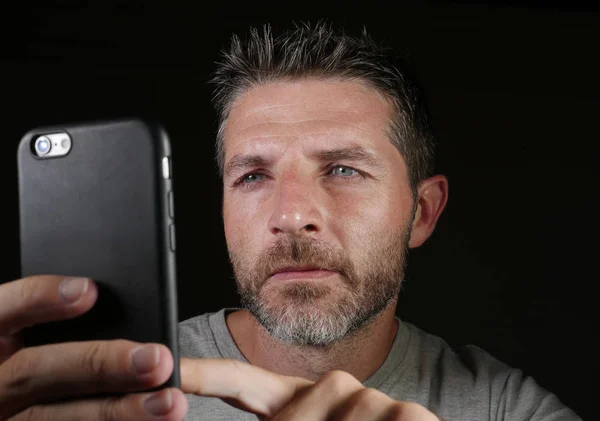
[[242, 385]]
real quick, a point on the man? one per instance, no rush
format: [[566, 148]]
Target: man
[[326, 158]]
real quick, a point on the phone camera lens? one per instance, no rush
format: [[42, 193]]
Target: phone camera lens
[[42, 145]]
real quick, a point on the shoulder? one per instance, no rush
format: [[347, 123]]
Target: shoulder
[[471, 373], [450, 370], [471, 361]]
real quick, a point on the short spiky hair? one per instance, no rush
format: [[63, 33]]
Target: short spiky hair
[[319, 51]]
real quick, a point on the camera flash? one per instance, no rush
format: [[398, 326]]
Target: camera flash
[[52, 145]]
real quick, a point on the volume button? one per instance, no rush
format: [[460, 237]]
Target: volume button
[[171, 205], [172, 242]]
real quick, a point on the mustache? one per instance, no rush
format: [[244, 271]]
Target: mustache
[[300, 250]]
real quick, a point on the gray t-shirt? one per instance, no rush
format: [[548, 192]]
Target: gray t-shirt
[[465, 385]]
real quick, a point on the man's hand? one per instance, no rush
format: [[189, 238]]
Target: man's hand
[[336, 396], [55, 382]]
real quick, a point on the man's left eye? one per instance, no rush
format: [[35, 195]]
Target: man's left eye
[[344, 171]]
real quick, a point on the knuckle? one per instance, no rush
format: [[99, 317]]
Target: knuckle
[[93, 360], [19, 369], [396, 412], [27, 291], [109, 410], [367, 396], [338, 380], [410, 410], [365, 401]]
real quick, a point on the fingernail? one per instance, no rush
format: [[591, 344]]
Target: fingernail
[[73, 289], [145, 359], [160, 403]]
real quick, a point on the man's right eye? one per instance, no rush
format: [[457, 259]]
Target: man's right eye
[[249, 179]]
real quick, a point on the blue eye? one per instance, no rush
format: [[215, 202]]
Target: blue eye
[[344, 171], [252, 178]]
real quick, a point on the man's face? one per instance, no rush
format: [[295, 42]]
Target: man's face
[[317, 207]]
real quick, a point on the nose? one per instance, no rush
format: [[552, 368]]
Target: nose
[[296, 209]]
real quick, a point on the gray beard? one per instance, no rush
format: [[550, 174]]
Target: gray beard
[[318, 315], [311, 325]]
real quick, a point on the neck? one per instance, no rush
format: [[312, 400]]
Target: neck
[[360, 354]]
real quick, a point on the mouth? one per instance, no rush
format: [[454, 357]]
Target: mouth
[[301, 272]]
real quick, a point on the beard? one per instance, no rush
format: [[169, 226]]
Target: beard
[[319, 314]]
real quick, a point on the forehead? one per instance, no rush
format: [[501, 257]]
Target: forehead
[[307, 108]]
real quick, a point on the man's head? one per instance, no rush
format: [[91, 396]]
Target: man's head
[[319, 51], [326, 156]]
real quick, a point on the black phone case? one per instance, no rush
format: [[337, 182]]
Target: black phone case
[[105, 211]]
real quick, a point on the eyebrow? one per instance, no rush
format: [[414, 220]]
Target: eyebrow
[[352, 154], [242, 162]]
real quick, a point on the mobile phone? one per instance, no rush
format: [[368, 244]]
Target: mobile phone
[[96, 200]]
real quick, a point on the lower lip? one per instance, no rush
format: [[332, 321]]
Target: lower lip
[[303, 274]]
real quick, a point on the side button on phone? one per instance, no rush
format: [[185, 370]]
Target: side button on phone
[[171, 205], [166, 167], [172, 236]]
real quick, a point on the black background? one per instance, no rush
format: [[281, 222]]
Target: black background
[[515, 97]]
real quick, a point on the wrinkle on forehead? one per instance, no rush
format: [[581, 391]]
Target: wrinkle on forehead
[[261, 110], [299, 108], [275, 127]]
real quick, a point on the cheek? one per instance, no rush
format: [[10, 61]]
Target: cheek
[[363, 217], [241, 220], [231, 222]]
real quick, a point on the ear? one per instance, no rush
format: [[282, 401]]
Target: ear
[[432, 198]]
